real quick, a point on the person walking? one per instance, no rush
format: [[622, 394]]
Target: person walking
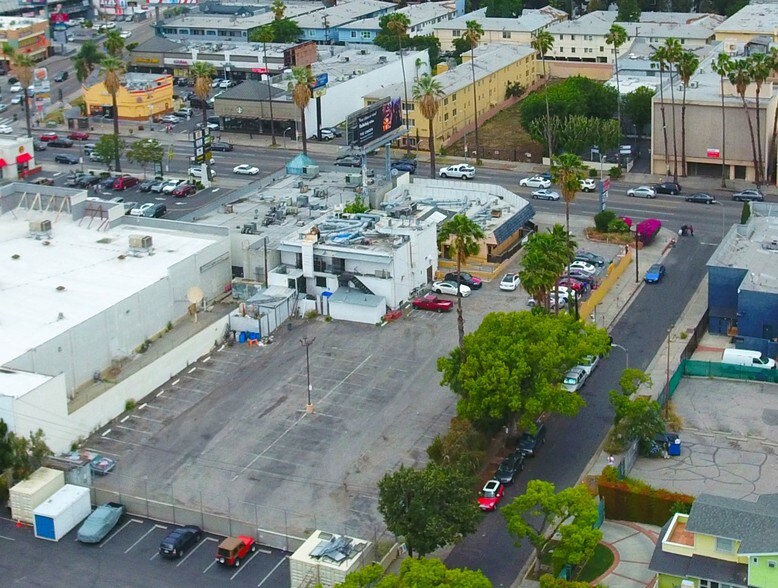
[[691, 230]]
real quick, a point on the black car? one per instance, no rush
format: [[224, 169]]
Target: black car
[[38, 145], [87, 180], [701, 197], [671, 188], [156, 211], [65, 158], [465, 278], [61, 76], [12, 80], [221, 146], [588, 257], [349, 161], [146, 185], [179, 541], [529, 443], [106, 183], [405, 165], [61, 143], [509, 468]]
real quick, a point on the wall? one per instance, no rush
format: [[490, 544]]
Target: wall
[[723, 284], [705, 545], [760, 575], [757, 320], [356, 313], [447, 36], [600, 72]]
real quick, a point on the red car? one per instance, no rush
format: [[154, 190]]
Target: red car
[[46, 137], [576, 285], [432, 302], [184, 190], [490, 496], [233, 549], [78, 136], [124, 182]]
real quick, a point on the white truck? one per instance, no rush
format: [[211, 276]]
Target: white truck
[[748, 358]]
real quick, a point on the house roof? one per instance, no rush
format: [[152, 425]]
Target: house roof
[[753, 18], [416, 13], [754, 524], [158, 45]]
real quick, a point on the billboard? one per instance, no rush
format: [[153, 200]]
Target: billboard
[[373, 122]]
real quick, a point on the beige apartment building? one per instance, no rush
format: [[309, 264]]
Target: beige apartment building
[[753, 20], [28, 36]]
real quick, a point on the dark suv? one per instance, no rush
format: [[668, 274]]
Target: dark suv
[[671, 188], [468, 280], [179, 541], [509, 468], [529, 443]]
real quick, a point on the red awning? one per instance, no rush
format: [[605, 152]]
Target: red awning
[[23, 158], [2, 162]]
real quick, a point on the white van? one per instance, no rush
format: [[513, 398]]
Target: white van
[[748, 358]]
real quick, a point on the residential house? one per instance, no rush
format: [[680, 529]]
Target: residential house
[[324, 26], [422, 17], [721, 543]]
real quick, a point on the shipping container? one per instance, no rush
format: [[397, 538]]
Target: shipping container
[[29, 493], [56, 517]]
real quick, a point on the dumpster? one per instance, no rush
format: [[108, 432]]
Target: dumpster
[[673, 444]]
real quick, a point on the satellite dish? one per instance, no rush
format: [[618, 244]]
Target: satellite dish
[[195, 295]]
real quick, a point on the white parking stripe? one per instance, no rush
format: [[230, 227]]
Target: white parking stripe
[[194, 369], [273, 570], [174, 382], [7, 538], [119, 530], [196, 547], [144, 536], [244, 564]]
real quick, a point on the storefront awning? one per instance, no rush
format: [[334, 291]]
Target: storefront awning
[[23, 158]]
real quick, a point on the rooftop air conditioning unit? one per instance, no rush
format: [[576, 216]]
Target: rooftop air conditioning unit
[[140, 242], [694, 84], [382, 59], [40, 227], [363, 51]]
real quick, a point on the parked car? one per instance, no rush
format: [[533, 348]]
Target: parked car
[[178, 541], [96, 157], [655, 273], [491, 495], [349, 161], [544, 194], [61, 76], [65, 158], [405, 165], [140, 210], [106, 183], [672, 188], [159, 185], [73, 178], [245, 169], [592, 258], [535, 182], [49, 136], [3, 107], [221, 146], [582, 276], [334, 130], [38, 145], [588, 363], [171, 185], [155, 211], [44, 182], [554, 302], [98, 524], [573, 283], [510, 282], [701, 198], [88, 180], [748, 195], [588, 185], [642, 192], [6, 129], [432, 302], [565, 293], [66, 143], [78, 136], [125, 34], [88, 148], [100, 465], [197, 171], [233, 549], [184, 190], [465, 278], [17, 99], [17, 87], [128, 206], [146, 185], [509, 468], [443, 287], [574, 379], [124, 182], [463, 171], [225, 84], [325, 135], [529, 443], [170, 119], [184, 112], [583, 266]]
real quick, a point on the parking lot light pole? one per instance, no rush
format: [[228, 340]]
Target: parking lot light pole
[[307, 343], [626, 354]]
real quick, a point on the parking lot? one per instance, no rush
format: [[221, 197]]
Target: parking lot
[[129, 556]]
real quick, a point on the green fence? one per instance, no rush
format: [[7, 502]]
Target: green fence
[[712, 369]]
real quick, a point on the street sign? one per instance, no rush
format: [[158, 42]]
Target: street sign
[[605, 184]]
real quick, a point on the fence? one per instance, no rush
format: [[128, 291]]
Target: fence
[[586, 308]]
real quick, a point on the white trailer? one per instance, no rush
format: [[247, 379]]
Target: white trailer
[[56, 517]]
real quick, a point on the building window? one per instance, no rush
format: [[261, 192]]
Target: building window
[[506, 34], [445, 101], [353, 35], [725, 545], [602, 49], [561, 37], [365, 34], [572, 49], [456, 33], [588, 37], [321, 282], [453, 97], [572, 37], [561, 49], [713, 584], [445, 116]]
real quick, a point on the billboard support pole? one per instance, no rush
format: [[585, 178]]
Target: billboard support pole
[[363, 155], [318, 118], [388, 161]]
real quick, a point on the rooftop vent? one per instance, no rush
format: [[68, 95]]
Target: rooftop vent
[[141, 244], [40, 229]]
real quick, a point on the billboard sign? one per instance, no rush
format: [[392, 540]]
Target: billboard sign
[[321, 80], [375, 121]]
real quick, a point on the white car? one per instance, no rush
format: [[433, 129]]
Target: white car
[[583, 266], [17, 99], [544, 194], [588, 363], [197, 171], [642, 192], [16, 88], [170, 185], [170, 118], [574, 379], [510, 282], [462, 171], [447, 287], [245, 169], [5, 130], [216, 82], [554, 302], [125, 34], [588, 185], [141, 209], [210, 125], [535, 182], [565, 292]]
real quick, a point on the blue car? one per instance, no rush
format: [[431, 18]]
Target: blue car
[[655, 273]]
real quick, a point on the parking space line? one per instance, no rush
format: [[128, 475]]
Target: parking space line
[[196, 547], [101, 452], [175, 382], [207, 359], [134, 430], [106, 432], [273, 570], [142, 418], [214, 370], [243, 565], [160, 393], [194, 369], [7, 538], [159, 408], [119, 530], [144, 536], [124, 419]]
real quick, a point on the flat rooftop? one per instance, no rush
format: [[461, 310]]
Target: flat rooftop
[[652, 24], [758, 19], [198, 20], [342, 13], [14, 22], [529, 21], [418, 14]]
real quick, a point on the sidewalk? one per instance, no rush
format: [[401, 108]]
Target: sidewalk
[[632, 545]]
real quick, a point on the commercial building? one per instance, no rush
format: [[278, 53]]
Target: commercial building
[[743, 283], [140, 97], [27, 36], [422, 17], [87, 290], [753, 20], [17, 158], [496, 65], [514, 31], [324, 26]]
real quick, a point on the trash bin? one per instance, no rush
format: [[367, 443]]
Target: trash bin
[[674, 444]]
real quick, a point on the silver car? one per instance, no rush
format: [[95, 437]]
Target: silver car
[[642, 192], [574, 379]]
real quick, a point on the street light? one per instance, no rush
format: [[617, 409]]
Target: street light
[[626, 354], [307, 343], [667, 371], [290, 135]]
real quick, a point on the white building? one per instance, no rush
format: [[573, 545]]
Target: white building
[[423, 17], [17, 157], [84, 287]]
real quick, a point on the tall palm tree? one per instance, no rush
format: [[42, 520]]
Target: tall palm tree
[[463, 238], [203, 74], [427, 92], [266, 35], [617, 36], [721, 66], [112, 68], [561, 252], [87, 58], [473, 33], [114, 43], [22, 66], [398, 24], [772, 151], [673, 54], [567, 171], [660, 58], [300, 87], [740, 77], [687, 66], [761, 68], [543, 42], [279, 9]]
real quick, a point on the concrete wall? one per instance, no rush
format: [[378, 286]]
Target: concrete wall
[[355, 313]]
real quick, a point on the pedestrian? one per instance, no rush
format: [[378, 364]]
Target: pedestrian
[[611, 460], [691, 230]]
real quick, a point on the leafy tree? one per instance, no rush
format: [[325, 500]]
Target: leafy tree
[[660, 57], [363, 577], [22, 66], [114, 43], [462, 236], [473, 33], [629, 11], [637, 106], [429, 508], [577, 133], [513, 364], [356, 206], [740, 76], [144, 152], [745, 212], [22, 455], [576, 96], [286, 31], [617, 36], [300, 87], [760, 68], [513, 90], [687, 65], [131, 46], [108, 148], [417, 573], [603, 219], [87, 59], [673, 52], [427, 93], [571, 512], [543, 42], [637, 418], [504, 8], [112, 68], [462, 447]]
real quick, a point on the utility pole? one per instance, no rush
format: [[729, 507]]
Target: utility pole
[[305, 342]]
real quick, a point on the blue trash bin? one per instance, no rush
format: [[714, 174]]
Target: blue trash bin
[[674, 444]]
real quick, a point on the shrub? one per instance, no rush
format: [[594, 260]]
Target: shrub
[[648, 229], [627, 221], [311, 314], [462, 446], [592, 172], [130, 404], [618, 225], [603, 220], [615, 172]]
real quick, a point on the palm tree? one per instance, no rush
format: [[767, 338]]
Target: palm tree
[[114, 43], [560, 252], [463, 238], [687, 66], [721, 66], [266, 35], [22, 66], [300, 87], [543, 42], [279, 9], [427, 93], [740, 77], [203, 74], [567, 171], [617, 36], [673, 54], [473, 33], [87, 58], [660, 58], [544, 261], [398, 24], [761, 69], [112, 68]]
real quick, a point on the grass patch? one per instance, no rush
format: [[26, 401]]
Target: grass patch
[[598, 564]]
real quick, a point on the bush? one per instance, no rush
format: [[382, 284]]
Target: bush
[[617, 225], [592, 172], [462, 446], [615, 172], [603, 220], [648, 229]]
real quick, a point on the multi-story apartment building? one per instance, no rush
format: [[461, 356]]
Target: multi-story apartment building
[[27, 36]]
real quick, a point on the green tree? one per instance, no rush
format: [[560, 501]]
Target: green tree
[[575, 96], [541, 265], [266, 35], [504, 8], [356, 206], [131, 46], [629, 11], [300, 88], [203, 73], [659, 56], [462, 237], [638, 418], [114, 43], [429, 508], [745, 212], [427, 92], [577, 133], [568, 171], [740, 77], [112, 68], [473, 33], [22, 455], [86, 60], [417, 573], [543, 42], [286, 31], [144, 152], [107, 148], [617, 36], [541, 512], [513, 364], [721, 66], [687, 66], [22, 66], [637, 106]]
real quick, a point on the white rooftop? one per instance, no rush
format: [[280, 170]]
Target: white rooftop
[[599, 23], [197, 20], [15, 22], [418, 14], [16, 384], [341, 14], [529, 21], [758, 19]]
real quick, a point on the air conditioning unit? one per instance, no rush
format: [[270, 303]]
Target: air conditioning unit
[[694, 84], [40, 227], [140, 242]]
